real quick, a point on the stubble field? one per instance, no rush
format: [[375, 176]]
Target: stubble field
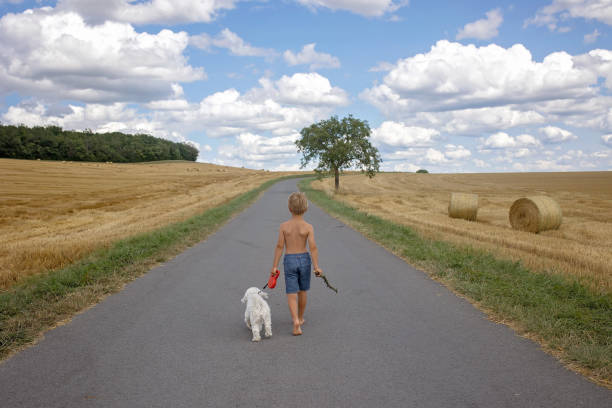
[[580, 248], [54, 213]]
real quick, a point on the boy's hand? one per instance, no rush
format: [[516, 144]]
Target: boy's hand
[[318, 271], [274, 272]]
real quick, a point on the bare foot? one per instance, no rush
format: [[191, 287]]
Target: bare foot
[[297, 330], [302, 321]]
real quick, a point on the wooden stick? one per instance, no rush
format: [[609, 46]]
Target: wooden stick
[[327, 282]]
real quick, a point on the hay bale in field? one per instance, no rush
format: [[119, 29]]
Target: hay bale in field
[[463, 205], [535, 214]]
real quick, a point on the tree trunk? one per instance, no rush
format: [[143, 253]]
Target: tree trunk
[[337, 179]]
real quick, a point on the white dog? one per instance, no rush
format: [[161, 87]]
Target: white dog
[[257, 312]]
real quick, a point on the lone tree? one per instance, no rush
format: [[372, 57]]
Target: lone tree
[[339, 145]]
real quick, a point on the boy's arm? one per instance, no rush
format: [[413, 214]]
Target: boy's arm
[[278, 250], [314, 251]]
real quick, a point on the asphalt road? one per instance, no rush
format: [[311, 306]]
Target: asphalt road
[[391, 338]]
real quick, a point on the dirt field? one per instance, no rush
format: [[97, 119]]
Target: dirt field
[[53, 213], [581, 247]]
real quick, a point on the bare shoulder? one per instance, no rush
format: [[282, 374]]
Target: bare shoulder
[[284, 225], [309, 227]]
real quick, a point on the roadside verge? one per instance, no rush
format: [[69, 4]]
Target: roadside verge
[[569, 320], [43, 301]]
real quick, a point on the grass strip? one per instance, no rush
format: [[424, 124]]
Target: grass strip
[[570, 320], [42, 301]]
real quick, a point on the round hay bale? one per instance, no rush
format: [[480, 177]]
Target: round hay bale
[[463, 205], [535, 214]]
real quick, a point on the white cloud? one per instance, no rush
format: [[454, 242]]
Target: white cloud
[[232, 41], [599, 62], [480, 163], [477, 121], [302, 89], [549, 16], [553, 134], [594, 113], [410, 153], [502, 140], [499, 140], [308, 55], [563, 161], [237, 46], [434, 156], [202, 41], [512, 156], [483, 29], [571, 156], [257, 151], [229, 113], [59, 56], [527, 140], [280, 107], [149, 12], [29, 116], [382, 66], [287, 167], [456, 152], [399, 135], [607, 139], [591, 37], [368, 8], [414, 158], [470, 91], [453, 76], [524, 152], [168, 104], [543, 165], [406, 167]]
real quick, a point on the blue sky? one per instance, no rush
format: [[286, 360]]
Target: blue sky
[[473, 86]]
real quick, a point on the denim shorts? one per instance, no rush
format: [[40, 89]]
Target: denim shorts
[[297, 272]]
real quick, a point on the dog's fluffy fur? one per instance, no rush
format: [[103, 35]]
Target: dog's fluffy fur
[[257, 312]]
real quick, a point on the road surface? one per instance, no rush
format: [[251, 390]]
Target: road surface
[[392, 337]]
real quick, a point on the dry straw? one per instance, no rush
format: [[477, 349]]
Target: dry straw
[[463, 205], [535, 214]]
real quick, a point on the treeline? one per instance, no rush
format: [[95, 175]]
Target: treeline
[[53, 143]]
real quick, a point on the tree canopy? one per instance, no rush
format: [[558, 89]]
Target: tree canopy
[[338, 145], [53, 143]]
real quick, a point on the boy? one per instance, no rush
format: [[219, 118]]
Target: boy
[[292, 236]]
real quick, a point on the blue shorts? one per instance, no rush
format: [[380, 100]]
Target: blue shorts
[[297, 272]]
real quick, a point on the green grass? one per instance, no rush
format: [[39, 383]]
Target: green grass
[[570, 320], [42, 301]]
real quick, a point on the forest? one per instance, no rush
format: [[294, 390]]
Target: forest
[[54, 143]]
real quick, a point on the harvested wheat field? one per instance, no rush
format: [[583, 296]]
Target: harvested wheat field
[[581, 247], [53, 213]]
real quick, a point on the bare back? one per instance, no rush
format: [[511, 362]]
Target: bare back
[[296, 232]]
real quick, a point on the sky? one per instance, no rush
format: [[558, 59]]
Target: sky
[[470, 86]]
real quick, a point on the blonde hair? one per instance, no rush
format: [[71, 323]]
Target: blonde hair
[[298, 204]]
